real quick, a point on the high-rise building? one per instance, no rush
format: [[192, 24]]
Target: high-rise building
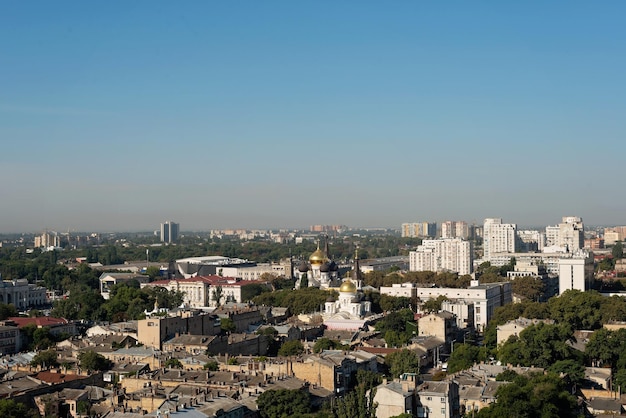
[[445, 254], [419, 229], [169, 232], [498, 237], [569, 234], [454, 229]]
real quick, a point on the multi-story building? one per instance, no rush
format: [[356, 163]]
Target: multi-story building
[[205, 291], [442, 325], [446, 254], [419, 230], [152, 332], [427, 399], [455, 229], [169, 232], [47, 240], [22, 294], [576, 272], [498, 237], [530, 240], [485, 298], [569, 234]]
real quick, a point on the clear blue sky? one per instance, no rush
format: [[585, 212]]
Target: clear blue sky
[[119, 115]]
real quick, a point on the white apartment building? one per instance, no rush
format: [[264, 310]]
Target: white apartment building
[[576, 272], [485, 298], [473, 306], [569, 234], [498, 237], [445, 254]]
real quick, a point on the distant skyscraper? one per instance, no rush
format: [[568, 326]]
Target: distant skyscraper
[[169, 232], [419, 229], [498, 237]]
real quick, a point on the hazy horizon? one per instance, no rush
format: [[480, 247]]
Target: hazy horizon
[[118, 116]]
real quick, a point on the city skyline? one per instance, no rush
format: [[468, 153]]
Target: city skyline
[[118, 115]]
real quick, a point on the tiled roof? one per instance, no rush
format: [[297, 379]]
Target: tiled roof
[[42, 321]]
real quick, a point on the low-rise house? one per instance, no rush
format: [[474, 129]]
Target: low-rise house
[[515, 327], [10, 338], [440, 324], [422, 399]]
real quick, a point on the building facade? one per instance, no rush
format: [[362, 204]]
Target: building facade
[[498, 237], [446, 254], [169, 232]]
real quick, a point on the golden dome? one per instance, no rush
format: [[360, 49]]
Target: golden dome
[[348, 287], [318, 257]]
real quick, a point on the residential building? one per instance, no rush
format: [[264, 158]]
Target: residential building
[[576, 272], [440, 324], [169, 232], [419, 230], [10, 338], [485, 298], [427, 399], [48, 240], [151, 332], [445, 254], [515, 327], [455, 229], [569, 234], [498, 237]]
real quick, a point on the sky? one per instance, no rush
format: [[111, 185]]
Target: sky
[[118, 115]]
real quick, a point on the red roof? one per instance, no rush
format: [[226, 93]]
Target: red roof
[[40, 322], [54, 378]]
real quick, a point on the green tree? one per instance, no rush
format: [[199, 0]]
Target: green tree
[[227, 325], [324, 344], [529, 287], [291, 348], [7, 311], [211, 365], [618, 250], [433, 305], [12, 409], [45, 359], [538, 345], [279, 403], [360, 401], [173, 363], [532, 396], [573, 369], [463, 357], [216, 295], [92, 361], [403, 361], [153, 272]]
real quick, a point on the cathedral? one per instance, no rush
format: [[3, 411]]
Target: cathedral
[[349, 310]]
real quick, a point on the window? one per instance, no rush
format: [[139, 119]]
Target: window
[[443, 411], [443, 400]]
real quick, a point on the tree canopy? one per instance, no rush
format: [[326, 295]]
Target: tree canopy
[[279, 403]]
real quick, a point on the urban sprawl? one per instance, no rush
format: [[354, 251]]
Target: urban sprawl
[[450, 319]]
